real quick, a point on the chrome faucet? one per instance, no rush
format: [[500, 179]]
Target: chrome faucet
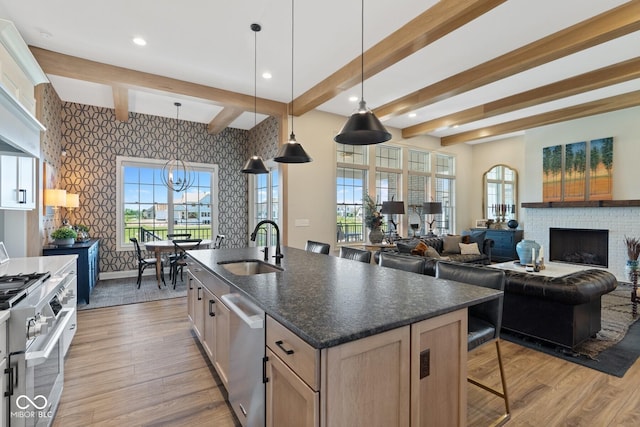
[[278, 256]]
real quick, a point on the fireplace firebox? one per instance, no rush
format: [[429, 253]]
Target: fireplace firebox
[[579, 246]]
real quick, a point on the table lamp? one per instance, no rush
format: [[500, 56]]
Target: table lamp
[[431, 208], [392, 208]]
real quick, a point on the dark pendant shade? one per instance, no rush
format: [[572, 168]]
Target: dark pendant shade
[[362, 128], [292, 152], [255, 165]]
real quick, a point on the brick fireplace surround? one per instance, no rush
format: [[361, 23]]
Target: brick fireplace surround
[[620, 221]]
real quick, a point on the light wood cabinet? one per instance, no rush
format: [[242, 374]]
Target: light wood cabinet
[[210, 317], [414, 375], [290, 401], [17, 188], [439, 371]]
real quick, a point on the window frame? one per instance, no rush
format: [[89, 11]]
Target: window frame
[[122, 161], [253, 221]]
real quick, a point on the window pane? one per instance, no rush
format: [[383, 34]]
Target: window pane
[[352, 154], [349, 192], [419, 161], [444, 165], [388, 157]]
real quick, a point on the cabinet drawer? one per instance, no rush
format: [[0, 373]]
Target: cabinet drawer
[[208, 279], [303, 359]]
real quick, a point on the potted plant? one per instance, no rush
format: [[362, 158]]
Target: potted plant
[[64, 236], [373, 219], [633, 251]]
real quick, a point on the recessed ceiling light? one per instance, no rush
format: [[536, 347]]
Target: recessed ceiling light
[[412, 115], [139, 41], [353, 99], [266, 75]]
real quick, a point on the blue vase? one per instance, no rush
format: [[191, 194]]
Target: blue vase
[[523, 249]]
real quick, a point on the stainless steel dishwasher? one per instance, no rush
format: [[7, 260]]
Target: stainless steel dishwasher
[[246, 388]]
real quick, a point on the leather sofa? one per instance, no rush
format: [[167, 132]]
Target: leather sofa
[[562, 310], [405, 246]]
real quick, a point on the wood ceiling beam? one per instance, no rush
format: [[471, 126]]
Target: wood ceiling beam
[[607, 76], [223, 119], [439, 20], [82, 69], [121, 103], [624, 19], [613, 103]]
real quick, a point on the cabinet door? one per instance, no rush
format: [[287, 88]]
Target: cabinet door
[[439, 371], [3, 386], [222, 343], [358, 373], [209, 337], [290, 401], [17, 189], [26, 182]]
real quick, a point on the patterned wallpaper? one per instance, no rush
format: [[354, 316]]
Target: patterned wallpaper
[[93, 139], [263, 139], [51, 147]]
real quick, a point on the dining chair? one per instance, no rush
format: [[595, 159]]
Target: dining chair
[[143, 263], [484, 319], [180, 260], [170, 257], [317, 247], [217, 244], [355, 254], [412, 264]]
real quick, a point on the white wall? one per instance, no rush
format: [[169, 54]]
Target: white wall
[[312, 186], [624, 127]]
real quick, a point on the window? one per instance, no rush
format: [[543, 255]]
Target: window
[[148, 210], [351, 180], [445, 192], [265, 196], [388, 177], [418, 189], [500, 184]]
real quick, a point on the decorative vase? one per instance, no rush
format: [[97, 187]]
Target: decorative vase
[[64, 242], [512, 224], [524, 251], [376, 235], [632, 266]]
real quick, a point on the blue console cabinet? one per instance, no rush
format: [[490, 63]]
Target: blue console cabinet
[[88, 263]]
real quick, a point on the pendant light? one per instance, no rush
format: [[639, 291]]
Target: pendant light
[[176, 175], [292, 151], [255, 165], [363, 127]]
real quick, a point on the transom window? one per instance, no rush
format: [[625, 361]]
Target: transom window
[[148, 210]]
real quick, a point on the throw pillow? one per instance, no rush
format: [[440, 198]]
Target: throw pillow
[[451, 244], [469, 249], [420, 249], [475, 237], [406, 247], [431, 253]]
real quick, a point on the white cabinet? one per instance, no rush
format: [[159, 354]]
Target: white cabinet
[[4, 316], [18, 186]]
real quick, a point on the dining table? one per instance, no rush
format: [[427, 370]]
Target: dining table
[[162, 246]]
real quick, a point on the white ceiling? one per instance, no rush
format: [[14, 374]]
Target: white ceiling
[[209, 42]]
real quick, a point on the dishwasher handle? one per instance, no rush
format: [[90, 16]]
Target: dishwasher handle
[[254, 321]]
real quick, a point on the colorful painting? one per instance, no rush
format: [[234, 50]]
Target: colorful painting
[[601, 169], [575, 168], [578, 171], [552, 173]]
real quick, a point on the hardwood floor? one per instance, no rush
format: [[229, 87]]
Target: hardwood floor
[[139, 365]]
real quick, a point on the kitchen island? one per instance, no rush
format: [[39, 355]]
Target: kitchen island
[[351, 343]]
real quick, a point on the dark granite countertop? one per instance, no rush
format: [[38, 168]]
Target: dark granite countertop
[[328, 300]]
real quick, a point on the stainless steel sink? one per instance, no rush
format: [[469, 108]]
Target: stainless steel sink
[[249, 267]]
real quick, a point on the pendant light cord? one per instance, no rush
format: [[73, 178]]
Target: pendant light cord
[[362, 50], [255, 74], [292, 38]]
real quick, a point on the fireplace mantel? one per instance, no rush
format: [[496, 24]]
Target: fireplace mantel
[[583, 204]]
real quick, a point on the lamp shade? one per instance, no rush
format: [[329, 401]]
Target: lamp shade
[[432, 208], [55, 197], [392, 207], [292, 152], [255, 165], [72, 201], [362, 128]]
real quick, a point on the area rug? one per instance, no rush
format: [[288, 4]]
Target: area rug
[[615, 348], [112, 292]]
